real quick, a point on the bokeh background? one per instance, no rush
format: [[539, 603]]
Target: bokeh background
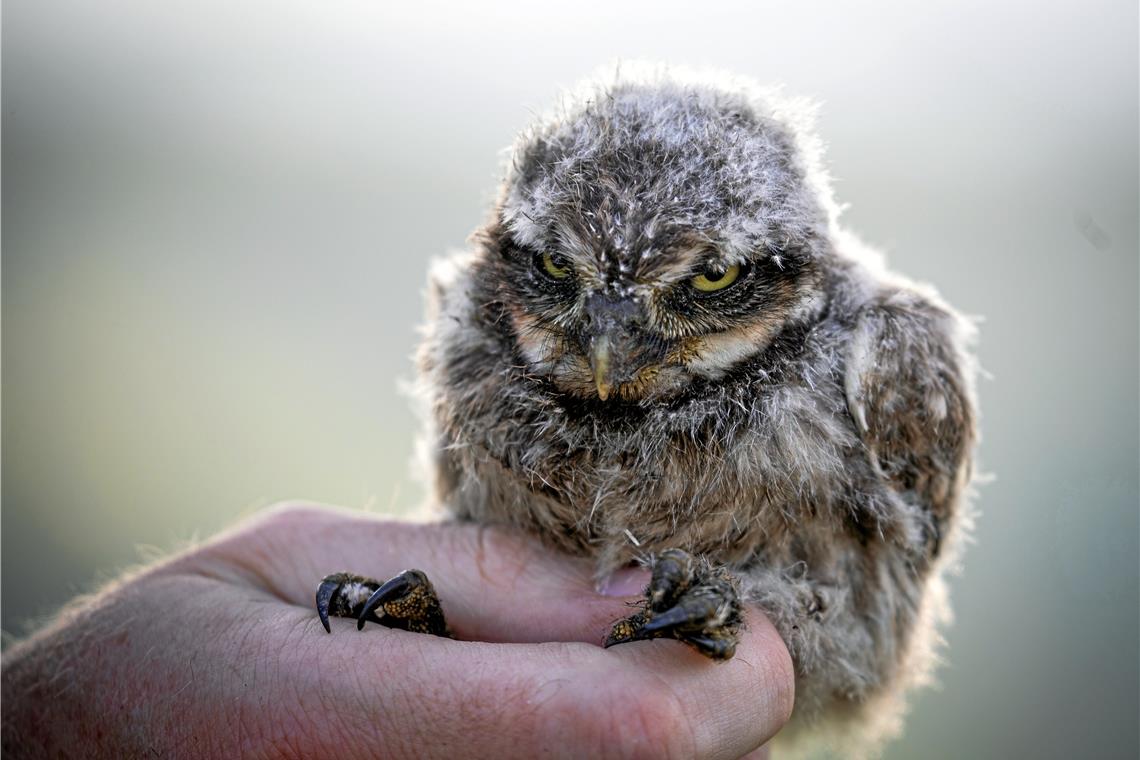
[[218, 217]]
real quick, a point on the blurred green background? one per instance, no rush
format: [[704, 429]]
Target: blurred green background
[[218, 218]]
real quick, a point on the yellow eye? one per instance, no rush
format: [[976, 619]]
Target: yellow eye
[[551, 265], [710, 281]]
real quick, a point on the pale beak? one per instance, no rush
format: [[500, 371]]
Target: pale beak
[[616, 345], [600, 363]]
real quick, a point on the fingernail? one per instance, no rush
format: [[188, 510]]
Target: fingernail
[[629, 581]]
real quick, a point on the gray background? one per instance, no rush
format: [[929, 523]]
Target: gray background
[[218, 218]]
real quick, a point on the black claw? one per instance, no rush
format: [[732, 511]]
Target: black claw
[[714, 648], [325, 593], [407, 602], [394, 588], [331, 601], [688, 600], [668, 619], [624, 631]]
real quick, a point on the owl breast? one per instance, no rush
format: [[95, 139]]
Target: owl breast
[[724, 472]]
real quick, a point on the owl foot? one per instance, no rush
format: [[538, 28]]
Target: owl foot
[[407, 601], [689, 600]]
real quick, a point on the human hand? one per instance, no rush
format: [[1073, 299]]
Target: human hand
[[218, 652]]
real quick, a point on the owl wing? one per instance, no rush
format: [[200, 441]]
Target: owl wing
[[909, 388]]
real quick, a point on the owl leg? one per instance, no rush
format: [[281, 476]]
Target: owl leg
[[689, 600], [408, 601]]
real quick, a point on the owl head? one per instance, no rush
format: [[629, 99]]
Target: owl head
[[658, 229]]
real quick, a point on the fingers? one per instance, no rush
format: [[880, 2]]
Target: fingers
[[395, 693], [494, 585], [416, 693]]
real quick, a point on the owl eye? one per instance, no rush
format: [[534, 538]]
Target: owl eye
[[553, 265], [712, 280]]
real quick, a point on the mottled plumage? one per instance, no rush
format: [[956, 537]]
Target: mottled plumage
[[811, 428], [662, 339]]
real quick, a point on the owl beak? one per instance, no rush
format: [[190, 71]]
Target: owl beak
[[600, 363], [613, 361], [614, 344]]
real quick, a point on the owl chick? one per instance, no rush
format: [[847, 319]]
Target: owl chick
[[662, 347]]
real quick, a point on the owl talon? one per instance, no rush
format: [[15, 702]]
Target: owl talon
[[341, 595], [407, 601], [325, 593], [688, 600], [667, 620], [630, 629]]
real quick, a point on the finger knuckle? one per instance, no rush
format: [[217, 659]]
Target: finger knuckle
[[630, 717], [648, 724], [290, 513]]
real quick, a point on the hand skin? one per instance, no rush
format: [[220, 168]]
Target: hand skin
[[218, 653]]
